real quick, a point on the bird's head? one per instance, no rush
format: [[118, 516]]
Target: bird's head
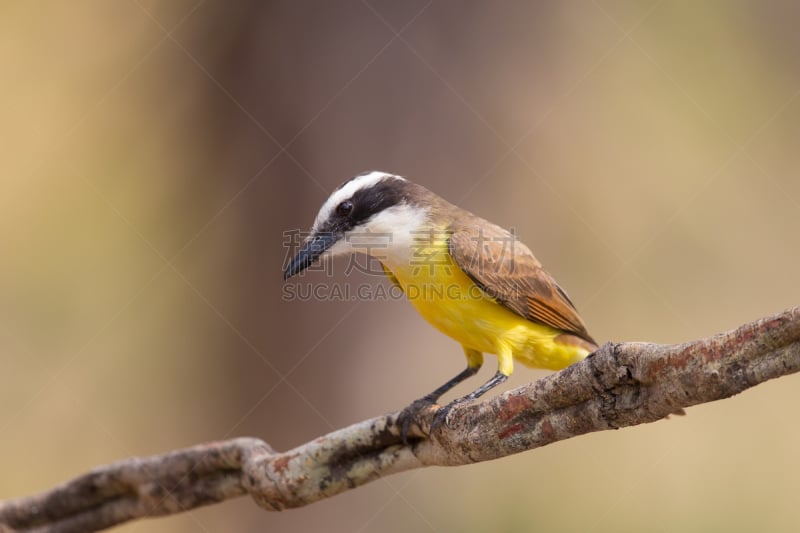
[[375, 213]]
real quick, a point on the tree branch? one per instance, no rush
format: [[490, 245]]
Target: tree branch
[[622, 384]]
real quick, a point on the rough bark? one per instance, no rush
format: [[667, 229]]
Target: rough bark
[[622, 384]]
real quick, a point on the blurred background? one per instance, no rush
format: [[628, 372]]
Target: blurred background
[[154, 152]]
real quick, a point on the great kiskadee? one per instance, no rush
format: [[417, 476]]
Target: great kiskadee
[[472, 280]]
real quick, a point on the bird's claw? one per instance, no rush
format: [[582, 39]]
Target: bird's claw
[[440, 418], [410, 414]]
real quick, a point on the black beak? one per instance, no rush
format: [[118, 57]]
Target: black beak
[[310, 252]]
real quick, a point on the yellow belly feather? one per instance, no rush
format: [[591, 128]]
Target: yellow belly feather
[[447, 298]]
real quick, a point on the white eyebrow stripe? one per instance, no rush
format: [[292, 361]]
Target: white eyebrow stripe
[[363, 181]]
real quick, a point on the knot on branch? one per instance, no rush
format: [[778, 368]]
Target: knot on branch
[[622, 384], [613, 384]]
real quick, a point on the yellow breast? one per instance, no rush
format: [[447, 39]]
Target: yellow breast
[[447, 298]]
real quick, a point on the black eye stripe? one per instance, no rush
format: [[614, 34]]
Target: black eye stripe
[[370, 201], [366, 203]]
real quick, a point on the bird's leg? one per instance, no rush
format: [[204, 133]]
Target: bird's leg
[[504, 369], [410, 413], [441, 414], [434, 396], [407, 415], [496, 380]]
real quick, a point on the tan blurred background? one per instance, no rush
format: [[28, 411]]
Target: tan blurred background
[[153, 152]]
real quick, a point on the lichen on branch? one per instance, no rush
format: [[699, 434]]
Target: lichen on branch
[[622, 384]]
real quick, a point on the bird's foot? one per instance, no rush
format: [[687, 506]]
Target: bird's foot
[[440, 418], [411, 414]]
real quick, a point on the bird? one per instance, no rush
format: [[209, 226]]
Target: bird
[[474, 281]]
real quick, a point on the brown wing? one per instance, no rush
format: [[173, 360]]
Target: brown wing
[[506, 270]]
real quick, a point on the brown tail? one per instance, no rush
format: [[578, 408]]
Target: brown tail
[[574, 340]]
